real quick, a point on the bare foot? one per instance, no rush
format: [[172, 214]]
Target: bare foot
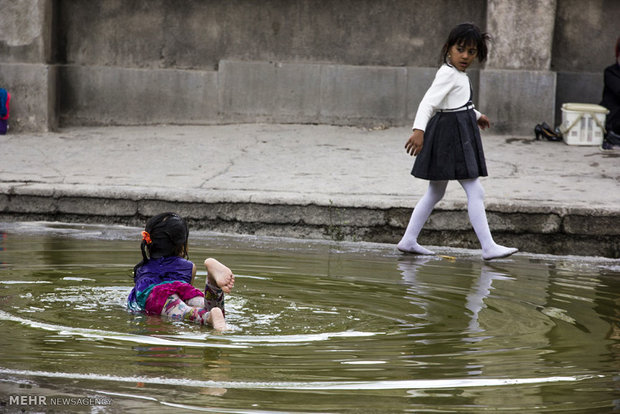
[[220, 275], [216, 319], [413, 247]]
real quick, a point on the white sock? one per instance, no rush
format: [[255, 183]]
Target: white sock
[[421, 213], [478, 218]]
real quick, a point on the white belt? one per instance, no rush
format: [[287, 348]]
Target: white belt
[[462, 108]]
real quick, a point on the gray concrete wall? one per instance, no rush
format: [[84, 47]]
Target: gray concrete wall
[[343, 62], [583, 45], [199, 34], [26, 48], [107, 95], [25, 31], [585, 35], [242, 91], [517, 88], [350, 62]]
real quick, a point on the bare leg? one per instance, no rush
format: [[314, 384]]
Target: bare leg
[[214, 309], [421, 213], [175, 308], [478, 219], [216, 319]]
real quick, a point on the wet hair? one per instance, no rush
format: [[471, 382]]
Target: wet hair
[[466, 34], [168, 234]]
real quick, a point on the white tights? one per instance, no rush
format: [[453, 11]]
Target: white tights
[[477, 216]]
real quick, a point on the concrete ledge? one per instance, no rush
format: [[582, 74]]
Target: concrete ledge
[[591, 225], [96, 206], [554, 232], [120, 96], [243, 91], [323, 93], [26, 204], [513, 222], [273, 92], [362, 95], [316, 93], [254, 91]]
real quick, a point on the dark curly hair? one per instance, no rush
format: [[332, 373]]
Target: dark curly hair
[[168, 234], [466, 34]]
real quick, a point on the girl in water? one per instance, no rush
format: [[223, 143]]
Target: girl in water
[[163, 279]]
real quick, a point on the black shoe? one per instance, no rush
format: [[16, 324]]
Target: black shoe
[[545, 131], [538, 131], [551, 135]]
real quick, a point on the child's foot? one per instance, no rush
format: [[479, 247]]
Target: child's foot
[[413, 247], [216, 319], [220, 275], [497, 252]]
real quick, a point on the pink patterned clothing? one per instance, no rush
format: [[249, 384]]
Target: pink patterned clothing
[[160, 293]]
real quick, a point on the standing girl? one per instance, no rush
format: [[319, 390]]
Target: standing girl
[[446, 141], [163, 279]]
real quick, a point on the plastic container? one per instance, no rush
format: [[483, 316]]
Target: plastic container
[[583, 124]]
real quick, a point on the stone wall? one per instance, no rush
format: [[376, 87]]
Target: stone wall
[[119, 62], [537, 230], [583, 45], [197, 35], [25, 54]]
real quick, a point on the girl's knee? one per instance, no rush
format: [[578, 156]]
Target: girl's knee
[[197, 301], [174, 307], [436, 190], [473, 188], [216, 319]]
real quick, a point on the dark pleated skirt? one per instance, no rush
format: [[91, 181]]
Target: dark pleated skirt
[[452, 148]]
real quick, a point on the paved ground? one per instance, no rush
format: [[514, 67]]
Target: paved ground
[[295, 165]]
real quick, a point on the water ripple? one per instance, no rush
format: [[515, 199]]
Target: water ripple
[[107, 335], [309, 386]]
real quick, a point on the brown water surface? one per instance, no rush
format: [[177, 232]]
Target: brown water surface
[[315, 327]]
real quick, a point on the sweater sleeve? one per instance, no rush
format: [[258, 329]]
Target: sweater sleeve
[[441, 86]]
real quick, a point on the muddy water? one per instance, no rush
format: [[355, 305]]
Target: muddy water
[[315, 327]]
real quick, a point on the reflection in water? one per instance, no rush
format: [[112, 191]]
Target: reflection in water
[[316, 327], [482, 289], [529, 318]]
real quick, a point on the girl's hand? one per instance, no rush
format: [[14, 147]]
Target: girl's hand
[[483, 122], [415, 142]]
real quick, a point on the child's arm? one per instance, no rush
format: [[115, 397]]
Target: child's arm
[[483, 121], [441, 86], [415, 142]]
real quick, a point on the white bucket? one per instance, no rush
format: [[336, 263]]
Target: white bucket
[[583, 124]]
